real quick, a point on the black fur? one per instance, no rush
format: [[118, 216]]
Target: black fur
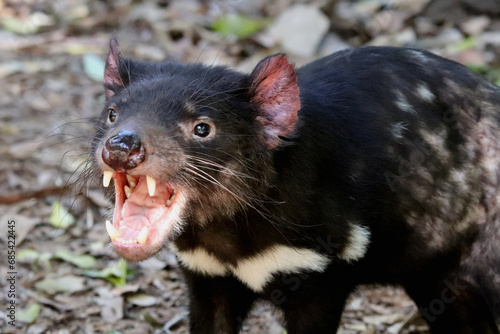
[[399, 142]]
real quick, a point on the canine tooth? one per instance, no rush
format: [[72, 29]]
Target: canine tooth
[[128, 191], [106, 179], [143, 235], [112, 231], [174, 191], [131, 181], [169, 202], [151, 185]]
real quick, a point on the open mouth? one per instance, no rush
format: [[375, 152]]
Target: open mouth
[[145, 213]]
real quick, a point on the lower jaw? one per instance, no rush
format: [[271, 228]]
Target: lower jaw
[[135, 252], [165, 229]]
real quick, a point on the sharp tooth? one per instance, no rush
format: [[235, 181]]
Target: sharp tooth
[[112, 231], [131, 181], [151, 185], [172, 197], [106, 179], [128, 191], [143, 235]]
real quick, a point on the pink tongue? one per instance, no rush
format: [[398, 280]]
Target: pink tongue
[[131, 226], [142, 210], [145, 215]]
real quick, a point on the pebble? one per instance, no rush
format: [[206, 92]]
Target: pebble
[[402, 38], [424, 26], [150, 52], [489, 38], [331, 44], [448, 36], [475, 25], [300, 29]]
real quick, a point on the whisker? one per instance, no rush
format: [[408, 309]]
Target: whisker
[[241, 200]]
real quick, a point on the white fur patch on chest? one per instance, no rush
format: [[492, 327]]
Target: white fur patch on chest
[[258, 270], [201, 261]]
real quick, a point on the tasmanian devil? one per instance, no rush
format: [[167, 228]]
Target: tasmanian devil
[[372, 165]]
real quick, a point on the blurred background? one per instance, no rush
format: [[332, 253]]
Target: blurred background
[[67, 279]]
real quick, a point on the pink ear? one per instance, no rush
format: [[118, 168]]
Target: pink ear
[[275, 90], [112, 76]]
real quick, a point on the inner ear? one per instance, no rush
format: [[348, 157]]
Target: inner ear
[[113, 82], [275, 92]]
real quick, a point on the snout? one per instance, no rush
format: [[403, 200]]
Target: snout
[[123, 151]]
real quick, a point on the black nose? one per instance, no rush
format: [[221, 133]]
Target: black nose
[[123, 151]]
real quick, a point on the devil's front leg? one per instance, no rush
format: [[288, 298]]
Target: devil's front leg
[[217, 305], [311, 302]]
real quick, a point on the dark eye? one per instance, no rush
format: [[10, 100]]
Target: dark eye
[[201, 130], [112, 115]]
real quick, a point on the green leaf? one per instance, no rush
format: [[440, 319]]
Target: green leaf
[[29, 314], [478, 68], [94, 67], [142, 299], [80, 260], [44, 260], [60, 217], [490, 73], [68, 284], [96, 246], [34, 257], [466, 44], [116, 274], [150, 319], [27, 255], [29, 25], [238, 25]]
